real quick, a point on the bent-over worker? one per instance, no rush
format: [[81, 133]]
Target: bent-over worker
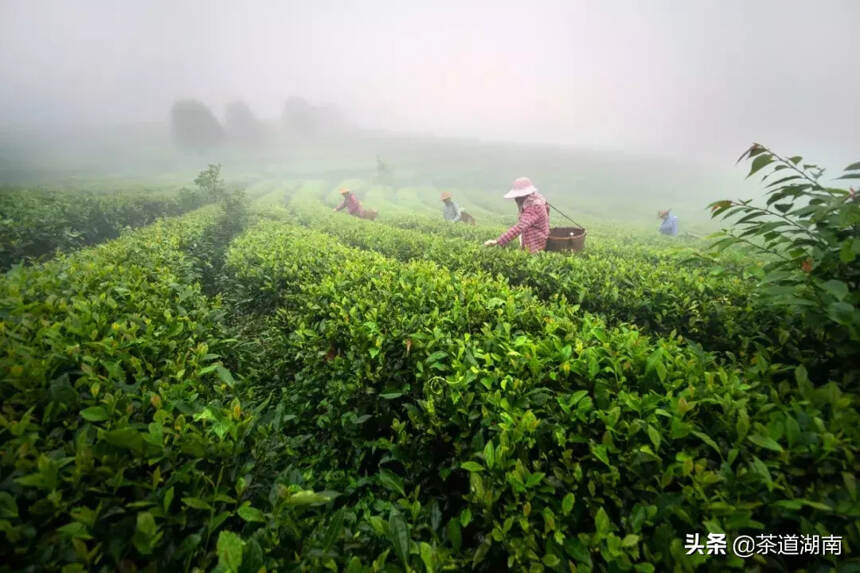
[[533, 223], [669, 226], [450, 210], [350, 202]]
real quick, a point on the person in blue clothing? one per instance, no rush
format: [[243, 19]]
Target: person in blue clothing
[[450, 210], [669, 226]]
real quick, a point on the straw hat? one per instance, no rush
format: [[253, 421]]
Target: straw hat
[[344, 191], [522, 186], [445, 196]]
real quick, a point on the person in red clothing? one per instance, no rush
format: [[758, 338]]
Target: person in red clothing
[[533, 224], [350, 202]]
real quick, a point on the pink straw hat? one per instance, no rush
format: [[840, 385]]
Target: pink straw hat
[[522, 187]]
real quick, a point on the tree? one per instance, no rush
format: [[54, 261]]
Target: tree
[[305, 119], [242, 126], [194, 127], [209, 181]]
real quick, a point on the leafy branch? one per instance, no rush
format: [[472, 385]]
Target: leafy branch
[[810, 233]]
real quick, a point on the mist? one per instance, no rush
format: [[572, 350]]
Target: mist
[[690, 82]]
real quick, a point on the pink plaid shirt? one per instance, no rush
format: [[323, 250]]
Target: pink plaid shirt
[[351, 203], [533, 224]]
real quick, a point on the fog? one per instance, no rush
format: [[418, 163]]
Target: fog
[[693, 80]]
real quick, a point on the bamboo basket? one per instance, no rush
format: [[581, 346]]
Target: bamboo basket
[[566, 239]]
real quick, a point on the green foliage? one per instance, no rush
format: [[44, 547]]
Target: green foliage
[[661, 294], [34, 224], [207, 252], [206, 394], [126, 439], [209, 181], [811, 236], [470, 423]]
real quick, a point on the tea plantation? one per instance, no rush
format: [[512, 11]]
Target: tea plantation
[[260, 384]]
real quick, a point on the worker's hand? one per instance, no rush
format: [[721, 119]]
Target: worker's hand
[[491, 243]]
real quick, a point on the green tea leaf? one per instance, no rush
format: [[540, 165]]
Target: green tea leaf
[[567, 503], [127, 438], [426, 552], [94, 414], [765, 442], [601, 454], [654, 435], [391, 481], [249, 513], [168, 499], [454, 534], [308, 497], [399, 532], [229, 550], [196, 503], [489, 454], [334, 530], [225, 376], [8, 506], [602, 523], [74, 530], [472, 466], [708, 440]]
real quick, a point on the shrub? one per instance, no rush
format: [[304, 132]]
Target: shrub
[[811, 235]]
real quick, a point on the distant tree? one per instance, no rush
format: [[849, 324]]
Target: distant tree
[[194, 126], [299, 116], [209, 181], [241, 125], [303, 118]]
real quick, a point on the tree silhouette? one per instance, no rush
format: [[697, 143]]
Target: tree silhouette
[[193, 126], [241, 125]]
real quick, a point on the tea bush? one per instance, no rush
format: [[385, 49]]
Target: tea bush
[[127, 442], [715, 311], [472, 424], [36, 223]]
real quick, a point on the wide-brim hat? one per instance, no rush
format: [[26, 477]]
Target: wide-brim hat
[[522, 186], [445, 195], [344, 191]]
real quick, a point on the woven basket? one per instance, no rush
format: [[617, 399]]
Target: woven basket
[[566, 239]]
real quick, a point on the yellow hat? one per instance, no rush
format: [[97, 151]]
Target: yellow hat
[[445, 195], [344, 191]]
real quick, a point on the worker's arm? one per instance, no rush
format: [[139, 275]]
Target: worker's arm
[[527, 218], [341, 206]]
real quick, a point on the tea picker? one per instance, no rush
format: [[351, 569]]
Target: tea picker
[[451, 212], [533, 223], [353, 206], [669, 226]]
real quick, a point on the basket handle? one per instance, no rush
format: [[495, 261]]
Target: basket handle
[[565, 216]]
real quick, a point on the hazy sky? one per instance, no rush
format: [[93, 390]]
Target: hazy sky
[[676, 76]]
